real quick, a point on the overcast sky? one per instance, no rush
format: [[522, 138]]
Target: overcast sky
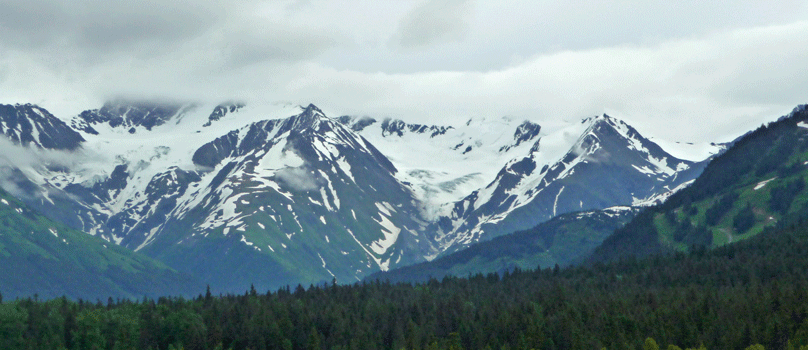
[[681, 70]]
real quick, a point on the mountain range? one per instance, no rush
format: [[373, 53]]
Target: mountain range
[[236, 195]]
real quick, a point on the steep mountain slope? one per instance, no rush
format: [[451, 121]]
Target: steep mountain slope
[[40, 256], [756, 183], [609, 164], [595, 164], [563, 240], [305, 194]]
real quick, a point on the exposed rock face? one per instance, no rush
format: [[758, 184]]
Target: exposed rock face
[[29, 125]]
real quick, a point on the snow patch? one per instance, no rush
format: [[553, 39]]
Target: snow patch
[[245, 241], [324, 266], [661, 164], [390, 232], [373, 257], [384, 209], [763, 184], [555, 204], [346, 167], [659, 198], [644, 169]]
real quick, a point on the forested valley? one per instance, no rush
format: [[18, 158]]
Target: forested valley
[[748, 293]]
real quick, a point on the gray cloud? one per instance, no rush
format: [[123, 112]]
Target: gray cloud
[[688, 71], [242, 46], [14, 158], [299, 179], [690, 90], [82, 33], [434, 21], [102, 25], [20, 157]]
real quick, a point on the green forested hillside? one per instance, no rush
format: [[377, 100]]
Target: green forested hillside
[[751, 292], [757, 183], [561, 241], [40, 256]]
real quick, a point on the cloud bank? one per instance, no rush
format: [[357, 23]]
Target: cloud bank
[[689, 71]]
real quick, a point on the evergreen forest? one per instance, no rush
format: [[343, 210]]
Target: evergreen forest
[[752, 293]]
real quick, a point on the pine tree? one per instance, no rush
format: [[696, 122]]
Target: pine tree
[[13, 322], [315, 341], [454, 341], [208, 297], [650, 344], [744, 220]]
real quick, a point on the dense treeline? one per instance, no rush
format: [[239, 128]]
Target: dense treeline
[[752, 292], [782, 197], [721, 207]]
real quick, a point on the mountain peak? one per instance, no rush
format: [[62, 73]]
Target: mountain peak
[[30, 124], [597, 124], [131, 114], [356, 123], [222, 110], [312, 110], [603, 118], [311, 118]]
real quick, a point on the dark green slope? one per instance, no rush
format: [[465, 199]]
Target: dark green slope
[[752, 292], [563, 240], [755, 184], [40, 256]]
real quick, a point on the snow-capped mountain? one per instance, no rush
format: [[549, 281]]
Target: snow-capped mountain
[[304, 192], [597, 163], [609, 164], [443, 164], [272, 195]]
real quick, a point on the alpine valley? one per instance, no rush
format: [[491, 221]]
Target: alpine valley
[[235, 194]]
